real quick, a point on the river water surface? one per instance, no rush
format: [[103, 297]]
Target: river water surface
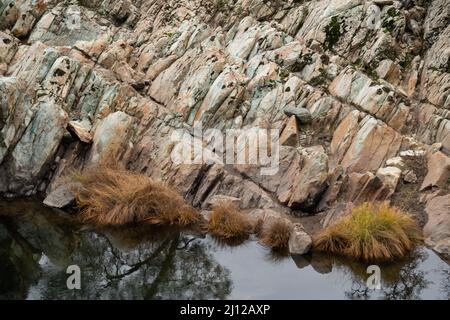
[[38, 244]]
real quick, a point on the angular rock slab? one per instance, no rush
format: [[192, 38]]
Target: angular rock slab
[[437, 229], [438, 171], [305, 180]]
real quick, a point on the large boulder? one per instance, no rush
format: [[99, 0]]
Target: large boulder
[[438, 171], [371, 144], [37, 147], [362, 187], [111, 138], [303, 183], [437, 229]]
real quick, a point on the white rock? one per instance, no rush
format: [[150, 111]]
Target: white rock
[[412, 153], [395, 162], [389, 175], [299, 242]]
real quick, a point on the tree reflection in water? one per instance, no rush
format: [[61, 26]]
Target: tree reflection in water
[[128, 264], [163, 269], [399, 281], [37, 245], [445, 285]]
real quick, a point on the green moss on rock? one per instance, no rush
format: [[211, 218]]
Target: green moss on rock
[[333, 33]]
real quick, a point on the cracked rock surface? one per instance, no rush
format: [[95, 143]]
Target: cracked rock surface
[[358, 106]]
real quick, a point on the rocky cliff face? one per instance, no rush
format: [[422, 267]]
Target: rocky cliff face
[[360, 91]]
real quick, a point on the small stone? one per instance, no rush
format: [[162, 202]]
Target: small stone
[[61, 197], [435, 147], [302, 114], [410, 177], [412, 153], [395, 162], [389, 176], [81, 130], [299, 241]]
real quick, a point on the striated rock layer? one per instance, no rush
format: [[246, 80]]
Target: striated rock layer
[[360, 91]]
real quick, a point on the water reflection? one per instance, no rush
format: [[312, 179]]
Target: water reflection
[[163, 269], [400, 281], [445, 284], [38, 244]]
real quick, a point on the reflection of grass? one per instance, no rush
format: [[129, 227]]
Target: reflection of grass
[[228, 242], [277, 255], [399, 280], [132, 237], [373, 232], [113, 197], [402, 279], [390, 270]]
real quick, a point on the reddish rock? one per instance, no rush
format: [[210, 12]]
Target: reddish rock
[[303, 183], [438, 171], [362, 187], [289, 136], [80, 130], [371, 146], [437, 229], [343, 136]]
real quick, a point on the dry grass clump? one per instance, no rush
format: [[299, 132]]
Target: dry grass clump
[[115, 197], [277, 234], [227, 222], [373, 232]]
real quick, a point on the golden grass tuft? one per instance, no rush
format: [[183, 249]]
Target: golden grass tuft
[[277, 234], [115, 197], [227, 222], [373, 232]]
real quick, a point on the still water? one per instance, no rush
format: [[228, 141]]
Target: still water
[[38, 244]]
